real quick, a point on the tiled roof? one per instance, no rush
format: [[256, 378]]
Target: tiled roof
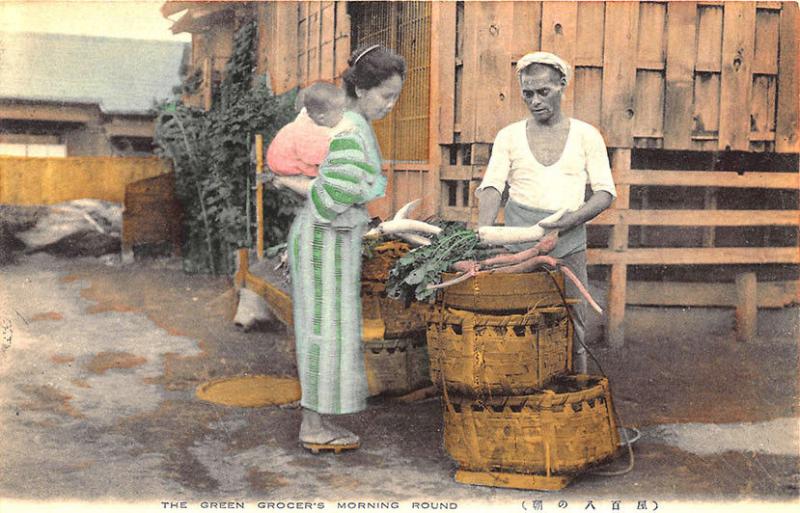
[[121, 75]]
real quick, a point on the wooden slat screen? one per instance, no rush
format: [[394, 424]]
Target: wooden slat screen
[[405, 28]]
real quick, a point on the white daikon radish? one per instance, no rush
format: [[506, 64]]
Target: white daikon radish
[[414, 239], [405, 228], [406, 209], [500, 235], [396, 226]]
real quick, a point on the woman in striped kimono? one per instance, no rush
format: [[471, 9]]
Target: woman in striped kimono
[[325, 254]]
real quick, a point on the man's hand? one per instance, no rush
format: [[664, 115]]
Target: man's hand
[[568, 221], [598, 202]]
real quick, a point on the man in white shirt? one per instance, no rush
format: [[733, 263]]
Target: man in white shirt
[[547, 160]]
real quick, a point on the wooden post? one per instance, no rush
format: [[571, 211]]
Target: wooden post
[[208, 87], [617, 283], [746, 307], [259, 196], [472, 204], [242, 267], [440, 104]]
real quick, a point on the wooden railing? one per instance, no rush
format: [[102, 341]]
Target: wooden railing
[[745, 295]]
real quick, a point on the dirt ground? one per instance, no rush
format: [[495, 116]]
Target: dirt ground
[[97, 404]]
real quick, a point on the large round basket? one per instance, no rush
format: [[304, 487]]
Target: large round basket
[[477, 354], [561, 430], [396, 366], [504, 292]]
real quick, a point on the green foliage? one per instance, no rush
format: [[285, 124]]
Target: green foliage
[[424, 266], [191, 84], [213, 160]]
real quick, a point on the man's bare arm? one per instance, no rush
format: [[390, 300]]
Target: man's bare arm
[[488, 205]]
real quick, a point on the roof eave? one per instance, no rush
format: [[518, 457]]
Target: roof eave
[[88, 103], [201, 16]]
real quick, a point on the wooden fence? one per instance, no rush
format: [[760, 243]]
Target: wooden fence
[[619, 256], [45, 181]]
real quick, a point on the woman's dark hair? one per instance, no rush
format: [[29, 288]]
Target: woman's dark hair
[[371, 65]]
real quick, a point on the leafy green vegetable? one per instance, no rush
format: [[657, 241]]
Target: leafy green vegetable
[[424, 266]]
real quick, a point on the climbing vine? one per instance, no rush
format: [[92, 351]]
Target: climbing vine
[[212, 155]]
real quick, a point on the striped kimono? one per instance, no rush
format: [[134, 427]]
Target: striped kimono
[[325, 261]]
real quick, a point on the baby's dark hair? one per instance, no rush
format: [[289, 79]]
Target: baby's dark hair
[[371, 65], [320, 95]]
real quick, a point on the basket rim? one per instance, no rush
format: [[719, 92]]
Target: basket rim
[[490, 275], [597, 388]]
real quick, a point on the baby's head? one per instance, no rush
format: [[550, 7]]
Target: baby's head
[[324, 103]]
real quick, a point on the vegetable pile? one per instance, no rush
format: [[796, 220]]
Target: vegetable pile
[[422, 267], [418, 274]]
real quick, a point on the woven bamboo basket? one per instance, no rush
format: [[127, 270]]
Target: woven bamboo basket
[[399, 320], [384, 256], [562, 430], [476, 354], [504, 292], [396, 366]]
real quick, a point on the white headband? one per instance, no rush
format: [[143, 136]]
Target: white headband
[[546, 58]]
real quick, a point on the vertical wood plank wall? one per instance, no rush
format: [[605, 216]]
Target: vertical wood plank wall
[[787, 131], [664, 77], [302, 42], [672, 75], [667, 75], [680, 59]]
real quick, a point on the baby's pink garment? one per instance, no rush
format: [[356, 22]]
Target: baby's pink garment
[[298, 148]]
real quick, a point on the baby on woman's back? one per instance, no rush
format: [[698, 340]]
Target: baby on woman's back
[[301, 146]]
